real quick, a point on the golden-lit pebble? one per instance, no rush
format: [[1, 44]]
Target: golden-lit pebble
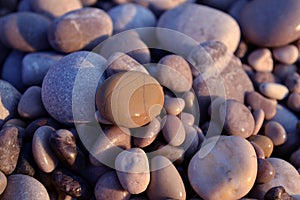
[[264, 142]]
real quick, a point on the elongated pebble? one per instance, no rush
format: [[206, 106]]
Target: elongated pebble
[[274, 90], [258, 116], [173, 130]]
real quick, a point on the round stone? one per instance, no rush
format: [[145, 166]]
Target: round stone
[[261, 60], [262, 22], [225, 163], [77, 24], [195, 21], [21, 186], [286, 54], [173, 130], [232, 111], [130, 99], [258, 150], [293, 102], [264, 142], [174, 106], [265, 171], [159, 7], [3, 182], [18, 32], [274, 90], [68, 90], [295, 158], [275, 132], [293, 82]]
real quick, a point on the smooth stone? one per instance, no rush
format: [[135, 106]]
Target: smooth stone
[[68, 89], [221, 5], [232, 111], [173, 153], [63, 144], [75, 24], [114, 191], [36, 65], [35, 124], [295, 158], [286, 54], [195, 21], [278, 192], [258, 150], [191, 142], [165, 182], [88, 2], [258, 116], [26, 164], [274, 90], [12, 69], [291, 144], [3, 182], [173, 130], [174, 106], [263, 77], [282, 71], [15, 122], [293, 82], [133, 170], [30, 105], [264, 142], [10, 146], [257, 101], [21, 186], [275, 132], [158, 7], [29, 36], [187, 118], [261, 60], [130, 16], [265, 171], [42, 153], [9, 101], [224, 168], [285, 175], [54, 8], [119, 62], [262, 22], [293, 102], [126, 99], [70, 184], [286, 118]]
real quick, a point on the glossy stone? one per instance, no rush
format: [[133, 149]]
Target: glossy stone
[[3, 182], [274, 90], [265, 172], [275, 132], [173, 130], [264, 142], [130, 103]]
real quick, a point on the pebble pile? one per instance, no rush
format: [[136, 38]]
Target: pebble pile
[[95, 105]]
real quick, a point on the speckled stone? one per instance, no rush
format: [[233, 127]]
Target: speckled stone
[[223, 164], [262, 22], [29, 36], [24, 187], [3, 182], [286, 54], [261, 60], [76, 24], [195, 21], [69, 87]]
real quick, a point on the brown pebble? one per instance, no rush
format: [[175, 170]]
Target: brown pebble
[[264, 142], [173, 130], [258, 116], [3, 182], [261, 60], [265, 172], [275, 132], [293, 102], [279, 193], [174, 106], [286, 54], [258, 150]]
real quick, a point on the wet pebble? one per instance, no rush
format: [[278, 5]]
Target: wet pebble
[[174, 106], [278, 192], [261, 60], [173, 130], [275, 132], [274, 90], [258, 116], [293, 102], [265, 171], [264, 142], [3, 182], [286, 54]]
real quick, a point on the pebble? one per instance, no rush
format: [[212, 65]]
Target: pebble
[[10, 146], [195, 21], [165, 182], [275, 132], [129, 103], [174, 106], [173, 130], [236, 7], [264, 142], [75, 24], [30, 105], [295, 158], [282, 71], [21, 186], [119, 62], [274, 90], [63, 97], [158, 7], [26, 164], [286, 54], [232, 111], [36, 65], [257, 101], [286, 118], [258, 150], [187, 118], [293, 102], [88, 2], [258, 116], [29, 36], [262, 23], [236, 171], [133, 170], [114, 191], [3, 182], [285, 175], [51, 9], [278, 192], [42, 153], [131, 16], [221, 5], [263, 77], [261, 60], [293, 82], [265, 171], [173, 153]]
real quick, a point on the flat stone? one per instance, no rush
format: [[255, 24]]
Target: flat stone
[[3, 182], [274, 90], [286, 54], [21, 186], [225, 163]]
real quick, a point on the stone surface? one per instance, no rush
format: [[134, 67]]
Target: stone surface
[[224, 168], [10, 146], [286, 54], [3, 182], [286, 118], [29, 36], [166, 182], [26, 164], [69, 87], [174, 106], [282, 71], [173, 130], [263, 24], [77, 24], [265, 171], [261, 60], [293, 82], [264, 142], [258, 150], [195, 21], [278, 192], [274, 90], [275, 132], [295, 158], [258, 116], [293, 102], [24, 187], [160, 6]]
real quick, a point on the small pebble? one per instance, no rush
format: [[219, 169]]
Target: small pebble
[[275, 132], [295, 158], [293, 82], [187, 118], [278, 193], [286, 118], [173, 130], [261, 60], [286, 54], [282, 71], [258, 150], [174, 106], [274, 90], [263, 77], [264, 142], [3, 182], [265, 172], [258, 116], [293, 102]]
